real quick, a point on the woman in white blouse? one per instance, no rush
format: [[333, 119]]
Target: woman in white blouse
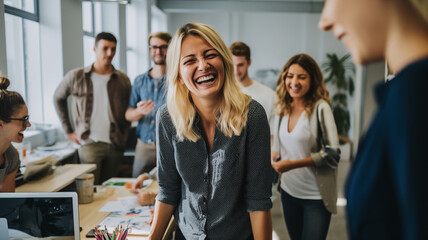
[[306, 149]]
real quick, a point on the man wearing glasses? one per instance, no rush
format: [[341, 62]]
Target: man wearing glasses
[[148, 95], [100, 95]]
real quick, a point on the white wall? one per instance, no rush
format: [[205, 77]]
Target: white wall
[[375, 73], [113, 20]]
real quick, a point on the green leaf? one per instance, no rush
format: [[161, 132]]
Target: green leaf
[[340, 72], [351, 86], [342, 119]]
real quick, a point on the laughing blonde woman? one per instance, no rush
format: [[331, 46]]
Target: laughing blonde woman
[[213, 155]]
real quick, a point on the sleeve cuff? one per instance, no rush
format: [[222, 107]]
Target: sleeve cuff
[[258, 205], [327, 156], [167, 198], [317, 159]]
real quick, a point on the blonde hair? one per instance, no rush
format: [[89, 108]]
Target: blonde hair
[[233, 107], [316, 91]]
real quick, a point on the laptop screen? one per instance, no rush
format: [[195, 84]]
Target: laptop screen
[[41, 215]]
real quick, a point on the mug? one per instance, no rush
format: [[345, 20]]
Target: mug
[[85, 187]]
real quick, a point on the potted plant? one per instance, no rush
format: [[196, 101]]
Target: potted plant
[[340, 72]]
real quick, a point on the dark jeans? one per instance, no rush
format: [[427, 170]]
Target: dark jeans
[[179, 235], [305, 219]]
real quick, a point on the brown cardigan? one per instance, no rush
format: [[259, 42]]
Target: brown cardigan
[[77, 84]]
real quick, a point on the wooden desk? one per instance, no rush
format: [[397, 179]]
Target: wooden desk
[[60, 178], [90, 217]]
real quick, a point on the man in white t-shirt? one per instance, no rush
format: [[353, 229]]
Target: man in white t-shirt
[[241, 55], [100, 96]]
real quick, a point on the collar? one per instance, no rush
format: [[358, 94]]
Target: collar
[[152, 78], [197, 119], [89, 69], [381, 89]]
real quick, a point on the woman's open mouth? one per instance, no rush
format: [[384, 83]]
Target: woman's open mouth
[[206, 80]]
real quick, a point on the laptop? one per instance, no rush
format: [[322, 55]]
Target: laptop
[[51, 215]]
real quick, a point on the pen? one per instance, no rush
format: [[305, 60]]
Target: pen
[[106, 233]]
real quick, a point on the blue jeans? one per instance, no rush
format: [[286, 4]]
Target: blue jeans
[[305, 219]]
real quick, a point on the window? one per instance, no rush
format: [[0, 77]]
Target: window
[[24, 5], [137, 33], [88, 31], [159, 20], [132, 43], [91, 14], [88, 18], [23, 53]]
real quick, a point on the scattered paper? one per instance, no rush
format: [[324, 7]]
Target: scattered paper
[[124, 183], [129, 202], [113, 207], [137, 219]]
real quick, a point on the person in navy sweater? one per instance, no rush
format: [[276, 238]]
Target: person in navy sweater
[[387, 187]]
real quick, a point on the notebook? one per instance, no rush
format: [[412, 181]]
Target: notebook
[[40, 215]]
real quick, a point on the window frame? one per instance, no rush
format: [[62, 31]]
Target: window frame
[[24, 16], [22, 13], [92, 33]]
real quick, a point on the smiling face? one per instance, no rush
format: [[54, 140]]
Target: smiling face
[[241, 65], [158, 49], [105, 51], [13, 130], [297, 82], [360, 24], [201, 68]]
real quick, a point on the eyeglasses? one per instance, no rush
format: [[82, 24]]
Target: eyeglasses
[[161, 47], [24, 120]]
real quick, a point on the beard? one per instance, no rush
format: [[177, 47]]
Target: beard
[[159, 60]]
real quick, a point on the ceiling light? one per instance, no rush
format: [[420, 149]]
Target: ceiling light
[[110, 1]]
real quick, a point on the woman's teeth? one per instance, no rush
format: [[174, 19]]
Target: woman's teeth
[[205, 79]]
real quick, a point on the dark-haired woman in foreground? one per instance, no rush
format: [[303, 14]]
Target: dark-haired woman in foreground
[[13, 122]]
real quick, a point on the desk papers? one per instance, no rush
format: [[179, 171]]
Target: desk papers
[[138, 219]]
